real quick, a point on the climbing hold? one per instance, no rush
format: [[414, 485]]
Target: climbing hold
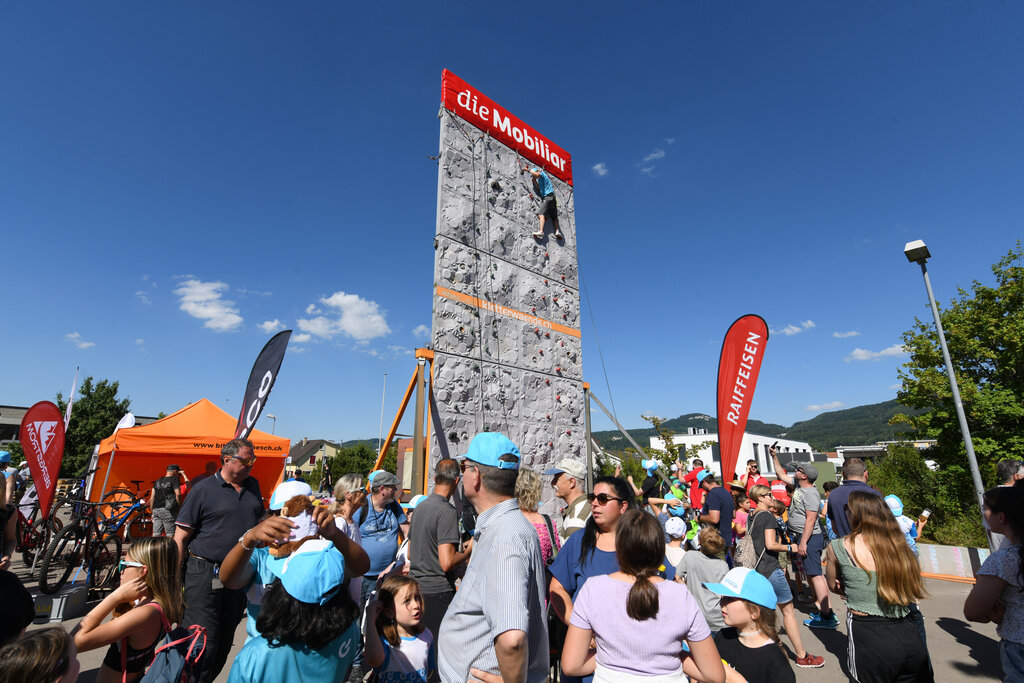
[[558, 397], [569, 432], [545, 282], [558, 369], [548, 416], [545, 254], [540, 351], [536, 330], [547, 381], [533, 309], [548, 335]]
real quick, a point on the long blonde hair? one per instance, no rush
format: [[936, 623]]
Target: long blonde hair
[[160, 555], [898, 572]]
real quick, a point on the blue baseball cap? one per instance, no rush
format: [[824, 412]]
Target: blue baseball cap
[[313, 573], [413, 502], [5, 456], [702, 475], [746, 584], [895, 504], [649, 465], [487, 447], [675, 511]]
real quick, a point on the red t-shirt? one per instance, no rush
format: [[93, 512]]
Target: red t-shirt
[[696, 492], [754, 481], [779, 491]]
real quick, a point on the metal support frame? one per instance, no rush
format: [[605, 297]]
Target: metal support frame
[[421, 432]]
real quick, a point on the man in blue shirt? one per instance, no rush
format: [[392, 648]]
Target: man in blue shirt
[[718, 509], [548, 206], [855, 478]]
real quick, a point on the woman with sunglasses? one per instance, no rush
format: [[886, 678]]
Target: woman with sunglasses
[[591, 552], [144, 606]]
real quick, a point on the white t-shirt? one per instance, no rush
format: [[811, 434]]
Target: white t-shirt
[[1005, 564], [413, 661]]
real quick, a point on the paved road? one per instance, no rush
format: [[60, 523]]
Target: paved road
[[959, 651]]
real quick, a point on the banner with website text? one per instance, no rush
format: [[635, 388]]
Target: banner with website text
[[472, 105], [42, 439], [738, 367]]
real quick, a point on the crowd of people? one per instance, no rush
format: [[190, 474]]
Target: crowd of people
[[680, 578]]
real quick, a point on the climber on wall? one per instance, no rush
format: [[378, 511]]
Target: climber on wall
[[548, 207]]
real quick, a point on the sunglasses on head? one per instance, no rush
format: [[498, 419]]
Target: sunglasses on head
[[603, 498]]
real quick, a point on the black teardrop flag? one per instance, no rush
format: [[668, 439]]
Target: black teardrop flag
[[261, 381]]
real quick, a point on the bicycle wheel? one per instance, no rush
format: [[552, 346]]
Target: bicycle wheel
[[61, 513], [20, 536], [63, 556], [140, 525], [116, 500], [35, 539], [105, 554]]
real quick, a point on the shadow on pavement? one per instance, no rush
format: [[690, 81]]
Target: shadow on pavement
[[982, 649]]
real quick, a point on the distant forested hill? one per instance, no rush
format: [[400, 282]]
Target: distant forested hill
[[851, 427]]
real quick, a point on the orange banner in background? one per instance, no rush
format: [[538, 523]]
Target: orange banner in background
[[485, 305]]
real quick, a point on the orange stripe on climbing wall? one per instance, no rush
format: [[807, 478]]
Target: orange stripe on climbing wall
[[485, 305]]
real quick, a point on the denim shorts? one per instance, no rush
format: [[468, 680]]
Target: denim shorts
[[812, 563], [782, 592], [1011, 655]]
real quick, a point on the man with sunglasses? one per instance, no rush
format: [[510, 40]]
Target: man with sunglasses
[[753, 476], [214, 515]]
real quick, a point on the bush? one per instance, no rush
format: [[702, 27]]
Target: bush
[[948, 493]]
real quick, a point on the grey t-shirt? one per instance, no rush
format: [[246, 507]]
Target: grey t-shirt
[[434, 522], [805, 498], [696, 568]]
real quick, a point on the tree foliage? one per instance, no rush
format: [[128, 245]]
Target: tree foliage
[[985, 335], [96, 412], [358, 459]]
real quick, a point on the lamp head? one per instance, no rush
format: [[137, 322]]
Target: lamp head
[[916, 251]]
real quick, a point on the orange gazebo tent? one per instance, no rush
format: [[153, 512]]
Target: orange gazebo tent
[[190, 438]]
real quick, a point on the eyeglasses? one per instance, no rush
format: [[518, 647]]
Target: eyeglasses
[[603, 498], [128, 563], [245, 461], [466, 466]]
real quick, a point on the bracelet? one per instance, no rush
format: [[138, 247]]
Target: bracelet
[[242, 543]]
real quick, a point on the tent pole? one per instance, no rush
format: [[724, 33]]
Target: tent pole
[[106, 475]]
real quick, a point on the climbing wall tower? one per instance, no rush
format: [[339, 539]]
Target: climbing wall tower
[[506, 319]]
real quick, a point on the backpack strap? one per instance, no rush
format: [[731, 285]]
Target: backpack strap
[[551, 532]]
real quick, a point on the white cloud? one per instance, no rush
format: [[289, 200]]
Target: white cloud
[[896, 386], [658, 153], [831, 405], [298, 349], [76, 339], [143, 297], [894, 351], [400, 350], [600, 170], [269, 326], [203, 300], [254, 292], [313, 310], [844, 335], [421, 332], [647, 170], [358, 318], [791, 329], [670, 140], [140, 342], [301, 338]]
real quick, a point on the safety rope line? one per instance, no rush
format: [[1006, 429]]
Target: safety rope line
[[597, 341]]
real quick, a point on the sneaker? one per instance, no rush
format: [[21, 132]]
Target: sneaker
[[538, 235], [817, 621], [558, 236], [809, 661]]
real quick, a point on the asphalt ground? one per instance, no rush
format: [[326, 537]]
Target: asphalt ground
[[960, 651]]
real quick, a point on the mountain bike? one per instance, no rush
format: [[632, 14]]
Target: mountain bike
[[127, 513], [68, 508], [33, 534], [81, 547]]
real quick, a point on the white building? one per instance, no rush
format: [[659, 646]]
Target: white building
[[753, 446]]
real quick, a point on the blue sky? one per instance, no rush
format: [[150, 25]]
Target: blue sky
[[179, 180]]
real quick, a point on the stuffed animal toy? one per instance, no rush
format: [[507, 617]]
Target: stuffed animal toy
[[298, 509]]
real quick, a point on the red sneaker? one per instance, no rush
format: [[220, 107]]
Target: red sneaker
[[809, 661]]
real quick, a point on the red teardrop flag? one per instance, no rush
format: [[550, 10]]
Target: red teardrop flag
[[738, 367], [42, 439]]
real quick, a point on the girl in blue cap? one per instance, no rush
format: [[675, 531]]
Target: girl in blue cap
[[750, 641]]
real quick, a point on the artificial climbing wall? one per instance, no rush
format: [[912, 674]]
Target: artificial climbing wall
[[506, 315]]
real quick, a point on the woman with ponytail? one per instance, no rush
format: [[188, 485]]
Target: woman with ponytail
[[998, 595], [638, 619], [874, 568]]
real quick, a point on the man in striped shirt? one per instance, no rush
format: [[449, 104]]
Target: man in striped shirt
[[570, 484], [495, 628]]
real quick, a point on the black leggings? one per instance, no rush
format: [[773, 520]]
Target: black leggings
[[884, 650]]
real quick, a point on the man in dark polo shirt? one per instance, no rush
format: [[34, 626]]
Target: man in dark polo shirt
[[435, 550], [214, 516], [855, 478]]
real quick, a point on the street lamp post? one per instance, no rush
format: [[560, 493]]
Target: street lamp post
[[274, 418], [917, 252]]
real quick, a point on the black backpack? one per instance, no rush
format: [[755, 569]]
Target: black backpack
[[163, 493]]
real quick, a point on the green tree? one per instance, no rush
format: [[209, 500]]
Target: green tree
[[985, 334], [96, 412], [357, 459]]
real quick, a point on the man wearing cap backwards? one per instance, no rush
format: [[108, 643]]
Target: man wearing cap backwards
[[804, 528], [215, 514], [496, 629], [165, 501], [570, 484]]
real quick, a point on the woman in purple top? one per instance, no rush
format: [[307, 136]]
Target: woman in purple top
[[637, 641], [528, 489]]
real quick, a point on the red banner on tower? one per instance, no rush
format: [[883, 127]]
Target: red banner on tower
[[42, 440], [461, 98], [738, 367]]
